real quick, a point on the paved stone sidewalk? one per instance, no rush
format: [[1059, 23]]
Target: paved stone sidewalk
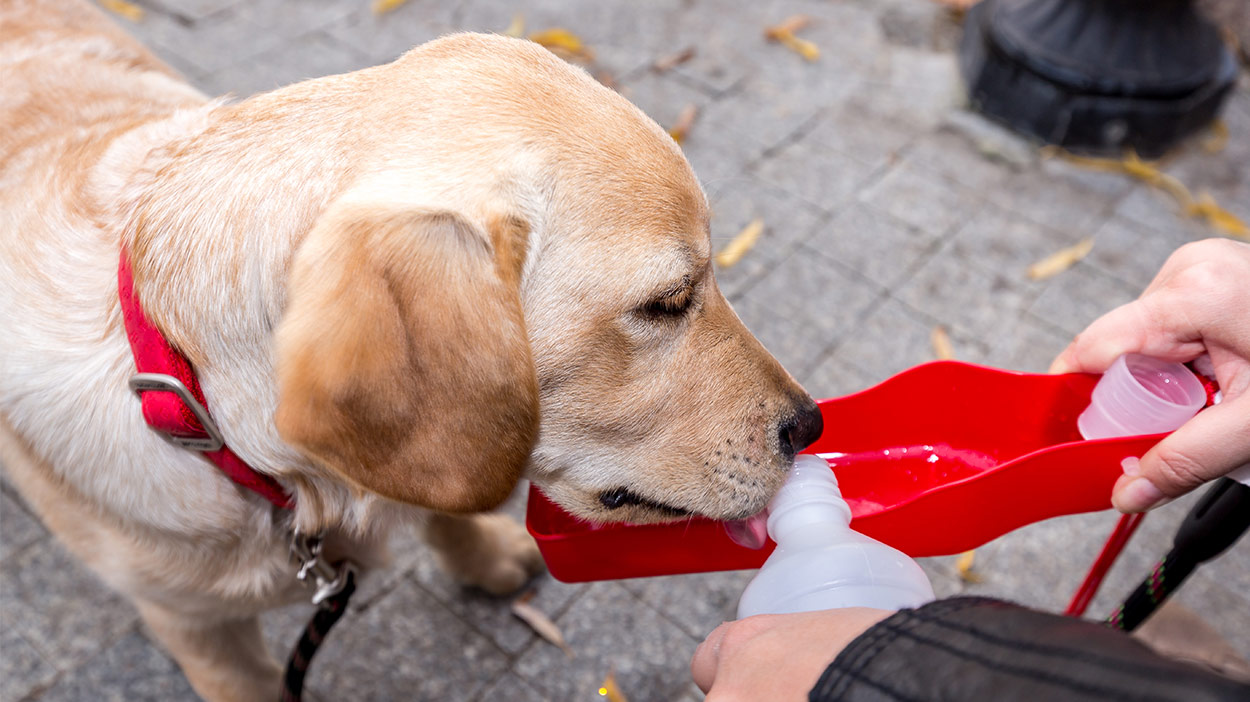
[[888, 210]]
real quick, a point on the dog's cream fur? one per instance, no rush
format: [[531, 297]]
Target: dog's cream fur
[[401, 288]]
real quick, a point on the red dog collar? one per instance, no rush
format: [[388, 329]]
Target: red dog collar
[[173, 404]]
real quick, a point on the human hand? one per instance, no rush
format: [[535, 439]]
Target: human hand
[[776, 657], [1198, 303]]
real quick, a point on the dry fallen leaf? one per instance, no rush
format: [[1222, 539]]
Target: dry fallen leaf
[[784, 33], [563, 43], [671, 61], [516, 28], [1061, 260], [381, 7], [611, 690], [963, 566], [129, 10], [539, 622], [941, 344], [1218, 217], [739, 245], [1217, 137], [685, 120]]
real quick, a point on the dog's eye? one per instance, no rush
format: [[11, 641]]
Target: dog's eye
[[671, 304]]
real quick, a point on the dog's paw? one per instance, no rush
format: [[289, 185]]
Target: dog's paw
[[490, 551]]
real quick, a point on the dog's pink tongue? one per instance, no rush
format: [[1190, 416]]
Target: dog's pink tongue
[[751, 532]]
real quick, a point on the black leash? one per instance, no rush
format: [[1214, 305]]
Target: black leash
[[335, 585], [1214, 524]]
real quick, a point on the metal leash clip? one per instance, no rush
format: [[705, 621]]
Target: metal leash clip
[[330, 579]]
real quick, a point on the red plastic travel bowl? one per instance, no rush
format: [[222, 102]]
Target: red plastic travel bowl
[[936, 460]]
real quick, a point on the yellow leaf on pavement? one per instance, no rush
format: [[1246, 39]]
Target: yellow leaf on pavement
[[563, 43], [1061, 260], [381, 7], [963, 566], [611, 690], [784, 34], [739, 245], [1218, 217], [685, 120], [517, 27], [941, 341], [129, 10], [539, 622]]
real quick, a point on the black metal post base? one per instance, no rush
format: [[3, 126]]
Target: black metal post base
[[1096, 76]]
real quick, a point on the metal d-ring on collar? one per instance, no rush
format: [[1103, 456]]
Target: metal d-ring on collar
[[145, 382]]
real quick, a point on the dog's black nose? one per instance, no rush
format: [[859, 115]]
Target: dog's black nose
[[799, 431]]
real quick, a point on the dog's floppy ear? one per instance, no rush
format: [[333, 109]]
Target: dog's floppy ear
[[402, 358]]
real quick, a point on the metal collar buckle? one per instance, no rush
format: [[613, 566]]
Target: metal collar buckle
[[330, 579], [147, 382]]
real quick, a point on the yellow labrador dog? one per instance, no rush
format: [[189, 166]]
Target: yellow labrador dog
[[402, 290]]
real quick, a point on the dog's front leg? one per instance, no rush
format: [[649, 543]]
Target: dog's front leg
[[490, 551], [225, 660]]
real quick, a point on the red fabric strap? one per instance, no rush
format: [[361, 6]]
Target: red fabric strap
[[164, 411]]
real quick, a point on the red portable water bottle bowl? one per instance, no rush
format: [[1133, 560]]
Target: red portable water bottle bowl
[[936, 460]]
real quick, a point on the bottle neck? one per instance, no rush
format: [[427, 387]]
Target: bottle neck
[[828, 515]]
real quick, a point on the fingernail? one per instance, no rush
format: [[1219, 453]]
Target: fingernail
[[1138, 496], [1131, 465]]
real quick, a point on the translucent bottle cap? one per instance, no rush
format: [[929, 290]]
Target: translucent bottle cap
[[1141, 395]]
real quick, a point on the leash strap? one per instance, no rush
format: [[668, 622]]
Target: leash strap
[[329, 613]]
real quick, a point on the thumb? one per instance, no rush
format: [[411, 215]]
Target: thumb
[[1207, 447]]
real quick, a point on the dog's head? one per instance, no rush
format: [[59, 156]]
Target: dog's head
[[547, 306]]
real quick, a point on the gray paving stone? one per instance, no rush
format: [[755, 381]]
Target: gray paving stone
[[22, 670], [312, 55], [18, 529], [58, 606], [601, 26], [803, 306], [193, 10], [881, 248], [894, 337], [248, 30], [611, 630], [787, 221], [130, 670], [835, 377], [823, 177], [932, 205], [697, 603], [920, 25], [382, 38], [722, 144], [1054, 202], [1156, 209], [1078, 296], [489, 614], [952, 155], [512, 688], [1089, 180], [407, 646], [663, 97], [919, 85], [861, 129], [966, 299], [1133, 252], [1025, 344], [1001, 242]]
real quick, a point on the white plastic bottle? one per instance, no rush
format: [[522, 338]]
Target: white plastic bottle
[[819, 562]]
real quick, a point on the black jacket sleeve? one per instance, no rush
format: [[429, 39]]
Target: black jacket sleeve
[[974, 648]]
